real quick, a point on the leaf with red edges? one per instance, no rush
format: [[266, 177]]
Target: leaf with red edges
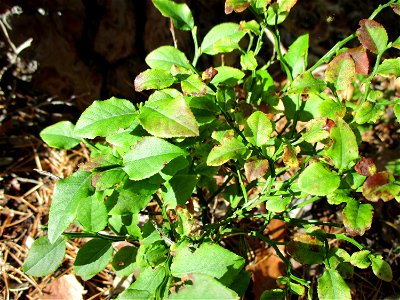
[[360, 57], [341, 71], [365, 167], [373, 36]]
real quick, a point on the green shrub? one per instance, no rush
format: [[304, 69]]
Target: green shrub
[[284, 147]]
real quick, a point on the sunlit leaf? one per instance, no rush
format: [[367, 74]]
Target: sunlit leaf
[[297, 55], [343, 149], [360, 259], [60, 135], [317, 180], [357, 217], [103, 118], [381, 268], [372, 36], [222, 38], [230, 148], [44, 257], [236, 6], [178, 12], [340, 71], [168, 117], [149, 157], [258, 129], [227, 75], [390, 66], [380, 186], [67, 196], [305, 83], [203, 287], [193, 86], [332, 286], [153, 79], [165, 57]]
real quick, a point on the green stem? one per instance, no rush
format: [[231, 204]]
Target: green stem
[[196, 46], [242, 187], [342, 236], [114, 238], [220, 188]]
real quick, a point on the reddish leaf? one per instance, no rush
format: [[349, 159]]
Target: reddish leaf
[[209, 74], [329, 125], [255, 169], [365, 167], [360, 57], [236, 5], [341, 71], [372, 35], [396, 7], [289, 156], [380, 186]]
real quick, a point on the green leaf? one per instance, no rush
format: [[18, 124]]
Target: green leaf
[[68, 193], [102, 118], [306, 249], [331, 109], [343, 149], [390, 66], [236, 5], [305, 83], [259, 6], [341, 71], [168, 117], [204, 287], [209, 259], [357, 217], [178, 190], [396, 43], [60, 135], [315, 130], [230, 148], [44, 257], [130, 294], [368, 113], [164, 57], [123, 261], [179, 13], [149, 279], [381, 268], [132, 197], [317, 180], [193, 86], [248, 61], [222, 38], [109, 178], [277, 204], [149, 156], [372, 36], [297, 289], [297, 55], [227, 75], [258, 129], [92, 258], [332, 286], [396, 110], [360, 259], [278, 12], [92, 213], [153, 79], [275, 294]]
